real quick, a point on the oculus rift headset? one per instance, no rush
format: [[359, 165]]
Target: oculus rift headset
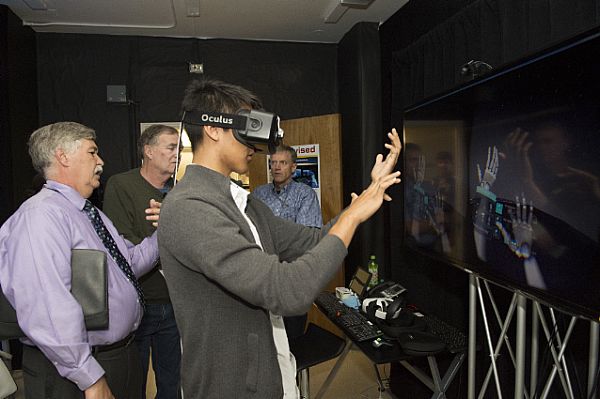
[[258, 130], [404, 326], [390, 316]]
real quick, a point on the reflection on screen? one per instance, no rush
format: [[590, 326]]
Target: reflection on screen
[[502, 177], [435, 184]]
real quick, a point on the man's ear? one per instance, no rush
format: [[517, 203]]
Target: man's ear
[[62, 157], [213, 132], [148, 151], [294, 165]]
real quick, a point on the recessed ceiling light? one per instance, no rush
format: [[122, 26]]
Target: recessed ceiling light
[[36, 4], [192, 8]]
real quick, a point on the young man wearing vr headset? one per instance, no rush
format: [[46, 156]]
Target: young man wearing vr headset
[[232, 267]]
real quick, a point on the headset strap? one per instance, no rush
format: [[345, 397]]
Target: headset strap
[[218, 119]]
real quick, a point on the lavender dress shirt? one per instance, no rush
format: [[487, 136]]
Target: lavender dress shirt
[[35, 275]]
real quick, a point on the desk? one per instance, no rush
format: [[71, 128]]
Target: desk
[[456, 344]]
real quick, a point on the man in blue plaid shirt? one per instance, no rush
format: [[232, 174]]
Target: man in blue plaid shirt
[[289, 199], [292, 201]]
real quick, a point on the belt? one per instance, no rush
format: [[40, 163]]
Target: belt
[[125, 342]]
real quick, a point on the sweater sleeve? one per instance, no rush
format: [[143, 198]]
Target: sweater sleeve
[[213, 245]]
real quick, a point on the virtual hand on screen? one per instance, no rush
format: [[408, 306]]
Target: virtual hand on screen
[[437, 220], [491, 169], [522, 229]]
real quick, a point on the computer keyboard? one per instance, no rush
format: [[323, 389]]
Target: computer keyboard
[[353, 323], [455, 340]]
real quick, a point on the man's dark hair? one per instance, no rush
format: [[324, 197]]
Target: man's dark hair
[[287, 148], [150, 136], [211, 95], [444, 156], [412, 147]]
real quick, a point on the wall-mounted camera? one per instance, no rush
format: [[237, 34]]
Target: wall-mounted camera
[[474, 69]]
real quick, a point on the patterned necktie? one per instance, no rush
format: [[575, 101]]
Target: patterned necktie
[[108, 241]]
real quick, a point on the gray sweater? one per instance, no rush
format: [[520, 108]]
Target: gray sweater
[[223, 285]]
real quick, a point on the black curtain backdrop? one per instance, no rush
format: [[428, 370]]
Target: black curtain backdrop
[[18, 109], [293, 79], [360, 105], [495, 31], [423, 47]]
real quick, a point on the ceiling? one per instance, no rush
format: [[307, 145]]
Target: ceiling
[[279, 20]]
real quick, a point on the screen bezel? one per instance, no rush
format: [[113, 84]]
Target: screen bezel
[[544, 296]]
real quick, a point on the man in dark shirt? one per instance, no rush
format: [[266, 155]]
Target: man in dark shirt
[[124, 200]]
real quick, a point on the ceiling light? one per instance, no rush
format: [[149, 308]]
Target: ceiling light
[[36, 4], [335, 14], [341, 6], [356, 3], [192, 8]]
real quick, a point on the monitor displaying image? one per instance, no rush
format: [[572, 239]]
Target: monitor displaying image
[[502, 177]]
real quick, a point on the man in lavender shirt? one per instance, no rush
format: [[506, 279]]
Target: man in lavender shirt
[[61, 360]]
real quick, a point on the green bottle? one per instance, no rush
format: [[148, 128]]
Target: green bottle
[[373, 268]]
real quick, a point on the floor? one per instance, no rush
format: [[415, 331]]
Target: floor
[[355, 379]]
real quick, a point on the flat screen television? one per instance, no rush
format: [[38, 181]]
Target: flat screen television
[[501, 176]]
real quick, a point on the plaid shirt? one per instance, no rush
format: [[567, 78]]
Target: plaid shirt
[[296, 202]]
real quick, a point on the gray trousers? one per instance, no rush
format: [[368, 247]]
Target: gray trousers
[[122, 367]]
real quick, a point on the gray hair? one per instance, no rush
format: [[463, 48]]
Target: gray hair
[[151, 134], [44, 142], [288, 149]]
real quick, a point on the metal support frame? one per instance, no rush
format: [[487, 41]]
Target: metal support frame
[[380, 383], [557, 345], [472, 343], [560, 365], [335, 369], [304, 383], [521, 344], [489, 339], [435, 382], [503, 339], [593, 359], [534, 354]]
